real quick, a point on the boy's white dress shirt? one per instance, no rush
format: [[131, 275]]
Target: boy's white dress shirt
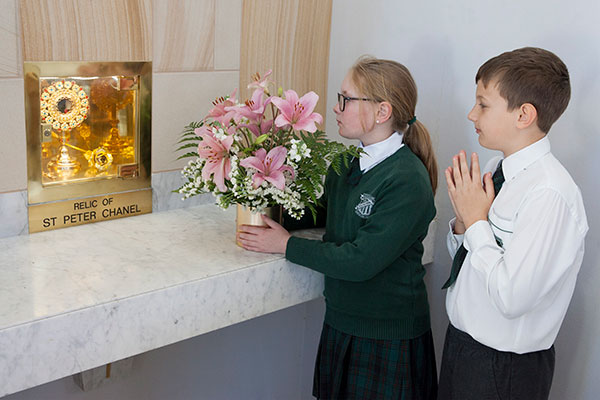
[[513, 296]]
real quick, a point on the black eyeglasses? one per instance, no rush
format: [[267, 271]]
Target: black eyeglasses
[[343, 99]]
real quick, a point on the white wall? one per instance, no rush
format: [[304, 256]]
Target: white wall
[[443, 43]]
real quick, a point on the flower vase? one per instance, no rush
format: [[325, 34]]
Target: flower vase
[[247, 217]]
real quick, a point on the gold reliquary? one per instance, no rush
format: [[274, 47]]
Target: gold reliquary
[[88, 141]]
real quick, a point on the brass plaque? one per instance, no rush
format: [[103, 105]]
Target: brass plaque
[[61, 214]]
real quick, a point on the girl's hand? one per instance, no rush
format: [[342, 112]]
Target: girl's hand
[[270, 239]]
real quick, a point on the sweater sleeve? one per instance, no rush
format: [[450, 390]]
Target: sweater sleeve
[[400, 217]]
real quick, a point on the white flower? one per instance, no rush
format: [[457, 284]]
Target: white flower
[[298, 150], [219, 133], [306, 152], [293, 154]]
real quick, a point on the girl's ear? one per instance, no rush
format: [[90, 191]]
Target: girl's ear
[[384, 112], [527, 115]]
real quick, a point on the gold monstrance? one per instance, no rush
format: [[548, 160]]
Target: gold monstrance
[[64, 105]]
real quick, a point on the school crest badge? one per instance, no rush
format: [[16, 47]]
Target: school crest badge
[[365, 206]]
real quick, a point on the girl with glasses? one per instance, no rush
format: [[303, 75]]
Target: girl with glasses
[[376, 340]]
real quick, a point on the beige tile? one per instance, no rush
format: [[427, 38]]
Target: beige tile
[[10, 59], [184, 35], [13, 157], [228, 29], [294, 43], [72, 30], [177, 100]]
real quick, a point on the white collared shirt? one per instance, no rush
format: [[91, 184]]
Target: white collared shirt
[[513, 296], [377, 152]]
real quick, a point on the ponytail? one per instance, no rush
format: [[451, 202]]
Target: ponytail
[[417, 138]]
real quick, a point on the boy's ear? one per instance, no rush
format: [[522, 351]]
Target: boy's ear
[[527, 116], [384, 112]]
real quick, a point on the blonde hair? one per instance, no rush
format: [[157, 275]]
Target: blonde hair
[[390, 81]]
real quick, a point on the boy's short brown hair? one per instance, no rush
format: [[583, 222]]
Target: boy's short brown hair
[[530, 75]]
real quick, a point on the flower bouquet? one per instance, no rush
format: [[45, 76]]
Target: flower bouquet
[[264, 152]]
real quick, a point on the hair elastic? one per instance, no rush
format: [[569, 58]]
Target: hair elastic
[[412, 120]]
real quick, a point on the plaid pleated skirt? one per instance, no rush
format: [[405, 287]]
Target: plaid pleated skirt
[[350, 367]]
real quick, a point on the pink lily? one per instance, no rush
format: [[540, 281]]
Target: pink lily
[[265, 127], [258, 83], [254, 108], [269, 167], [216, 154], [297, 112], [219, 112]]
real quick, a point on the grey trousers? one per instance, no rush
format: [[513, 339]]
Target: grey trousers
[[471, 370]]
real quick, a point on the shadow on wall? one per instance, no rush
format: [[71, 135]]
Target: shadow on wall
[[575, 141], [444, 113]]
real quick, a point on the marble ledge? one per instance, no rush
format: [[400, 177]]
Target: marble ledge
[[74, 299]]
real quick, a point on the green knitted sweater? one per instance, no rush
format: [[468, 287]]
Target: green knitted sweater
[[372, 248]]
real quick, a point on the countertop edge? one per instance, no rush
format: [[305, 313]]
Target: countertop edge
[[58, 346]]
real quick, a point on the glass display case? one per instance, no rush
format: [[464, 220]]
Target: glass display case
[[88, 139]]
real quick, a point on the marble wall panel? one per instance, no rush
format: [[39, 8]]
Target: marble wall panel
[[228, 25], [184, 35], [10, 57], [72, 30], [13, 205], [292, 38], [13, 214], [13, 151], [178, 99], [163, 198]]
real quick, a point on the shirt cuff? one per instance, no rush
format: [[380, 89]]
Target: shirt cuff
[[456, 239], [478, 235]]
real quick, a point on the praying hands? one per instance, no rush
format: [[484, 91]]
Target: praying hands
[[471, 199]]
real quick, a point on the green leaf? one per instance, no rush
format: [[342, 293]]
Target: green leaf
[[313, 211], [189, 139], [186, 146], [187, 155]]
